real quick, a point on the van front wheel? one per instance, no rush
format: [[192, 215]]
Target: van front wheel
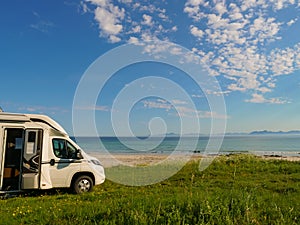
[[82, 184]]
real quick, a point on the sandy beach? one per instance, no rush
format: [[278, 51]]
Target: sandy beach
[[152, 159], [139, 159], [288, 158]]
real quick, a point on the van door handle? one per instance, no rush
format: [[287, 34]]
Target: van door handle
[[52, 162]]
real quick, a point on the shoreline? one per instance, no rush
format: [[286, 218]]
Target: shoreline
[[132, 159]]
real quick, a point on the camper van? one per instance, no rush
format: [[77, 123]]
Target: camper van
[[37, 153]]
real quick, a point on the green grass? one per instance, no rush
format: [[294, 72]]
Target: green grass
[[239, 189]]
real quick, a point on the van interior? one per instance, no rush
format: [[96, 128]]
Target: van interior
[[22, 158], [12, 160]]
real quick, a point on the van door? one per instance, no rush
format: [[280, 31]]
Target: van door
[[65, 164], [13, 147], [32, 159]]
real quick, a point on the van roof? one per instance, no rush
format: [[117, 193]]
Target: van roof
[[14, 117], [11, 117]]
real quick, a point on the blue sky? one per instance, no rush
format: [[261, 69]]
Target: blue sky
[[252, 48]]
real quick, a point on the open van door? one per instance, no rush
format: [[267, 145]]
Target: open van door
[[11, 159], [31, 161]]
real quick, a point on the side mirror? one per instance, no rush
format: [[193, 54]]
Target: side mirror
[[78, 154]]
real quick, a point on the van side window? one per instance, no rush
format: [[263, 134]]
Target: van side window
[[63, 149]]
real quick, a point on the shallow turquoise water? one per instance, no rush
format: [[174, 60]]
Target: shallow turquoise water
[[260, 144]]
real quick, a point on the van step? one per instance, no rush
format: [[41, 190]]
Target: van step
[[9, 194]]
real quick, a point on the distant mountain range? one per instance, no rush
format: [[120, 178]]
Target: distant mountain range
[[261, 132]]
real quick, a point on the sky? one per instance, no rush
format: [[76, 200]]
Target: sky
[[250, 48]]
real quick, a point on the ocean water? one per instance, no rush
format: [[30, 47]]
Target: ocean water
[[279, 145]]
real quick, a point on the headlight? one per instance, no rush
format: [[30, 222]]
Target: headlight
[[96, 162]]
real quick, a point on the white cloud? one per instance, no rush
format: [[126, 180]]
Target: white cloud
[[181, 110], [193, 8], [108, 22], [157, 105], [217, 93], [109, 18], [175, 50], [126, 1], [195, 2], [284, 61], [41, 25], [264, 89], [280, 4], [258, 98], [161, 100], [236, 87], [147, 20], [95, 108], [41, 109], [84, 7], [237, 38], [114, 39], [178, 102], [151, 8], [102, 108], [232, 39], [197, 96], [137, 29], [133, 40], [101, 3], [236, 16], [174, 28], [220, 8], [292, 21], [264, 29], [271, 85], [197, 32], [163, 16]]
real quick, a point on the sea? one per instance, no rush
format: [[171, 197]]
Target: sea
[[268, 145]]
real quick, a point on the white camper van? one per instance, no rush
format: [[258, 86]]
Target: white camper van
[[37, 153]]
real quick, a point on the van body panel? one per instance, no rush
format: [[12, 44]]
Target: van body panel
[[62, 172], [30, 181], [45, 181]]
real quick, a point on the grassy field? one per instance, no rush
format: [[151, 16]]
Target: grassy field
[[239, 189]]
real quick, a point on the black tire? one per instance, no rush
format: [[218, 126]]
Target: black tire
[[82, 184]]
